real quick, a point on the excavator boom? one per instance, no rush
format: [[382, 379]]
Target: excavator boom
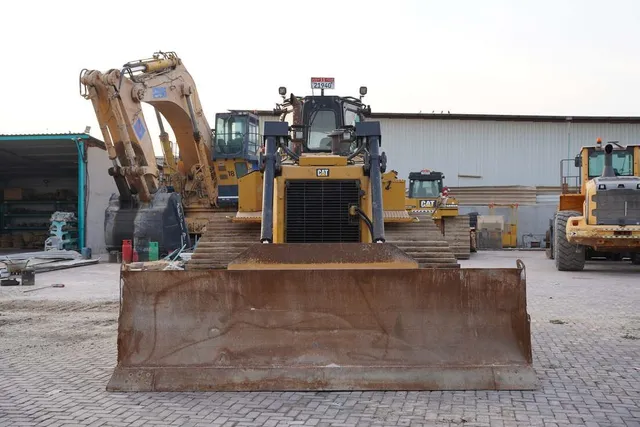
[[143, 208]]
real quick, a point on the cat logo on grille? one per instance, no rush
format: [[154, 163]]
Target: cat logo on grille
[[322, 173]]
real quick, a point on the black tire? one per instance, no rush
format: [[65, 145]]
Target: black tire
[[568, 257], [635, 258]]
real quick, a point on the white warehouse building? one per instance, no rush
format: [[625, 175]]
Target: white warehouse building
[[501, 159]]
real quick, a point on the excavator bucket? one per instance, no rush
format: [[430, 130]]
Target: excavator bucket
[[162, 220], [343, 317]]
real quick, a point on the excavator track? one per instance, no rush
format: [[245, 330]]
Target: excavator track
[[457, 234], [223, 240]]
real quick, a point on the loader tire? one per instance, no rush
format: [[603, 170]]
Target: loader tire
[[568, 256]]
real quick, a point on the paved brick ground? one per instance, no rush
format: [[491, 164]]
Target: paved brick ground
[[57, 350]]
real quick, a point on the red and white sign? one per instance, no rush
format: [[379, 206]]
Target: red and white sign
[[323, 82]]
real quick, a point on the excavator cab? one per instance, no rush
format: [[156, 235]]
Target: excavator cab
[[235, 151]]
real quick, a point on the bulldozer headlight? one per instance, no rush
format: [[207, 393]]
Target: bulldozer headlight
[[602, 187], [282, 90], [363, 90], [638, 186]]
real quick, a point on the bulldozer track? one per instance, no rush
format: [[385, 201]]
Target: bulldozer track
[[224, 240], [422, 241], [457, 234]]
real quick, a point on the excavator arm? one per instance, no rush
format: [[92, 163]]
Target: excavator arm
[[163, 82], [145, 208]]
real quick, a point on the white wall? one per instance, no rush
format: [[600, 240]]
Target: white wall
[[100, 187], [499, 152]]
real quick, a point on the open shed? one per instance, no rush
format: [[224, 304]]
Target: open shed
[[46, 173]]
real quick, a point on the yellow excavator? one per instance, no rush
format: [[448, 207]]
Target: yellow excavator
[[428, 197], [201, 183]]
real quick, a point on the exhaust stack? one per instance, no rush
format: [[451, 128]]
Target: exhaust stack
[[608, 171]]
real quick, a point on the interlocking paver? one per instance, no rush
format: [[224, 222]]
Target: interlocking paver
[[57, 352]]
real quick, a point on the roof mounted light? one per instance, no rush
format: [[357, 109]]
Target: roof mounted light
[[425, 172], [599, 141], [282, 90], [363, 90]]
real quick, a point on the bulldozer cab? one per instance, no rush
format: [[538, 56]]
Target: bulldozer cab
[[425, 184], [317, 120], [425, 188]]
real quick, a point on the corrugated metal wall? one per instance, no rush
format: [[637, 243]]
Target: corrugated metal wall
[[491, 153]]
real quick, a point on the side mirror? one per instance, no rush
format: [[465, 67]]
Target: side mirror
[[576, 162]]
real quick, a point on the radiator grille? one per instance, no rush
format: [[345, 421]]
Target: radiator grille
[[617, 207], [317, 211]]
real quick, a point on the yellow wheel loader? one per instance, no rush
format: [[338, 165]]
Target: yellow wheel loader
[[428, 197], [313, 296], [603, 218]]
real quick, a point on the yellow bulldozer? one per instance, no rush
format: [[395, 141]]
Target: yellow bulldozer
[[601, 219], [428, 197], [302, 288]]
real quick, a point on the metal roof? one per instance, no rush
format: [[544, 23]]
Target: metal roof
[[88, 139], [493, 117], [53, 154]]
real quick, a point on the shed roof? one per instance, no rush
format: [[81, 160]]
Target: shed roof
[[494, 117], [55, 154], [53, 138]]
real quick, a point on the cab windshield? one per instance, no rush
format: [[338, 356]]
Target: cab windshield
[[230, 133], [420, 189], [323, 122], [622, 162]]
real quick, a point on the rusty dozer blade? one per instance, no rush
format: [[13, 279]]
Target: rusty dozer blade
[[258, 329]]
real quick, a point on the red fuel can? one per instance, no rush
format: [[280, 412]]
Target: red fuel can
[[127, 251]]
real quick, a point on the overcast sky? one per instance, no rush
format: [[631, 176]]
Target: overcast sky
[[565, 57]]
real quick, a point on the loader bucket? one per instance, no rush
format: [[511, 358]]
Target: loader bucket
[[258, 329], [161, 221]]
